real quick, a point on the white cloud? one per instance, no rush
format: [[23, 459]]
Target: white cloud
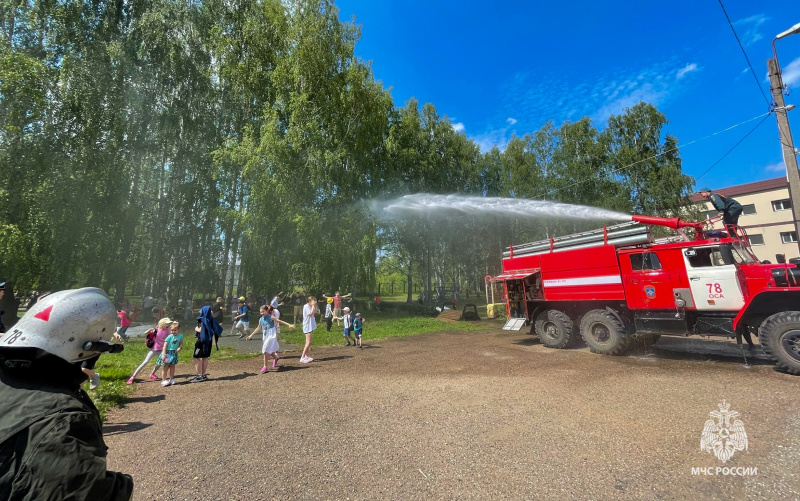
[[791, 72], [496, 137], [689, 68], [748, 33], [528, 101], [779, 167], [458, 127]]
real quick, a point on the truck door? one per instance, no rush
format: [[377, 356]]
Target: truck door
[[648, 284], [712, 280]]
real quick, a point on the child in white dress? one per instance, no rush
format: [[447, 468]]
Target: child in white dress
[[269, 336]]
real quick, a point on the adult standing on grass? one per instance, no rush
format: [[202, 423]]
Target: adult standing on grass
[[160, 307], [241, 322], [309, 325], [218, 310], [147, 307], [207, 330], [51, 436], [337, 305], [298, 302]]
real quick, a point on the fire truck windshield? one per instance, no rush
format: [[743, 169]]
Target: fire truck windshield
[[742, 254]]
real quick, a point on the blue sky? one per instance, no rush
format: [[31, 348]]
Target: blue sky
[[508, 68]]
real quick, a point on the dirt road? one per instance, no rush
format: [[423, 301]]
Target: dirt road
[[490, 415]]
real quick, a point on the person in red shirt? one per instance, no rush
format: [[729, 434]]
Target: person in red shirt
[[124, 323], [337, 305]]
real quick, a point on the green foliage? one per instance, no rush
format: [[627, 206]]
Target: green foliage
[[228, 147]]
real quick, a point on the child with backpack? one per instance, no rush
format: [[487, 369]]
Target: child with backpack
[[154, 339]]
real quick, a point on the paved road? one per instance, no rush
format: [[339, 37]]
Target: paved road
[[489, 415]]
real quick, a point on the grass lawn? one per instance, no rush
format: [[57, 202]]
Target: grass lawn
[[116, 369], [379, 326]]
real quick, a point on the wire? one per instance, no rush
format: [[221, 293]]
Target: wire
[[769, 105], [676, 148], [733, 148]]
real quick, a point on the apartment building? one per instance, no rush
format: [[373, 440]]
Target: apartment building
[[767, 216]]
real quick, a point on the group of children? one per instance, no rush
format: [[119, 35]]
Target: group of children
[[165, 340], [352, 325]]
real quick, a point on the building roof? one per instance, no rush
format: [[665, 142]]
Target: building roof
[[746, 189]]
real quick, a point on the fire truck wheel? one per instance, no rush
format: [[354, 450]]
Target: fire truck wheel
[[554, 328], [780, 339], [604, 334]]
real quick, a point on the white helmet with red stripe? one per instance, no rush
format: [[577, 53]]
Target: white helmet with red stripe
[[73, 324]]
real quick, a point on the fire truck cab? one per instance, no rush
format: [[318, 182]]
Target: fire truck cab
[[617, 284]]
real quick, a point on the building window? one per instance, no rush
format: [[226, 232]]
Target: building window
[[789, 237], [748, 209], [756, 239], [784, 204]]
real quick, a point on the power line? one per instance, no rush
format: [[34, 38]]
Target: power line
[[745, 54], [733, 148]]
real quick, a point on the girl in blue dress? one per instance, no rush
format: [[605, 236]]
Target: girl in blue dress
[[169, 354]]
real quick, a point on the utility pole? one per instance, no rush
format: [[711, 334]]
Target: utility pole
[[787, 144]]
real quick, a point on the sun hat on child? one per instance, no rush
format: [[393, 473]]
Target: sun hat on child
[[346, 308], [358, 314]]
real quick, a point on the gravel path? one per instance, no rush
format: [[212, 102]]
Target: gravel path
[[490, 415]]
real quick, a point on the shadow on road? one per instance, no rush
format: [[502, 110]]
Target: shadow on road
[[145, 400], [732, 355], [235, 377], [329, 359], [118, 429]]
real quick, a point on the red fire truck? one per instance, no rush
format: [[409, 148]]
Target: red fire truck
[[615, 284]]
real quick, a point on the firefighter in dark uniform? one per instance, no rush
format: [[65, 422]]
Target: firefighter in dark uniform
[[730, 208], [51, 436]]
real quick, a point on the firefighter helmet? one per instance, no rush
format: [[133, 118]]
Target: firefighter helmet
[[74, 325]]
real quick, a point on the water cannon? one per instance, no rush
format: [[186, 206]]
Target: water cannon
[[674, 223]]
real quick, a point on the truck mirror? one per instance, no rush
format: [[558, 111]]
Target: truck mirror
[[690, 252]]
